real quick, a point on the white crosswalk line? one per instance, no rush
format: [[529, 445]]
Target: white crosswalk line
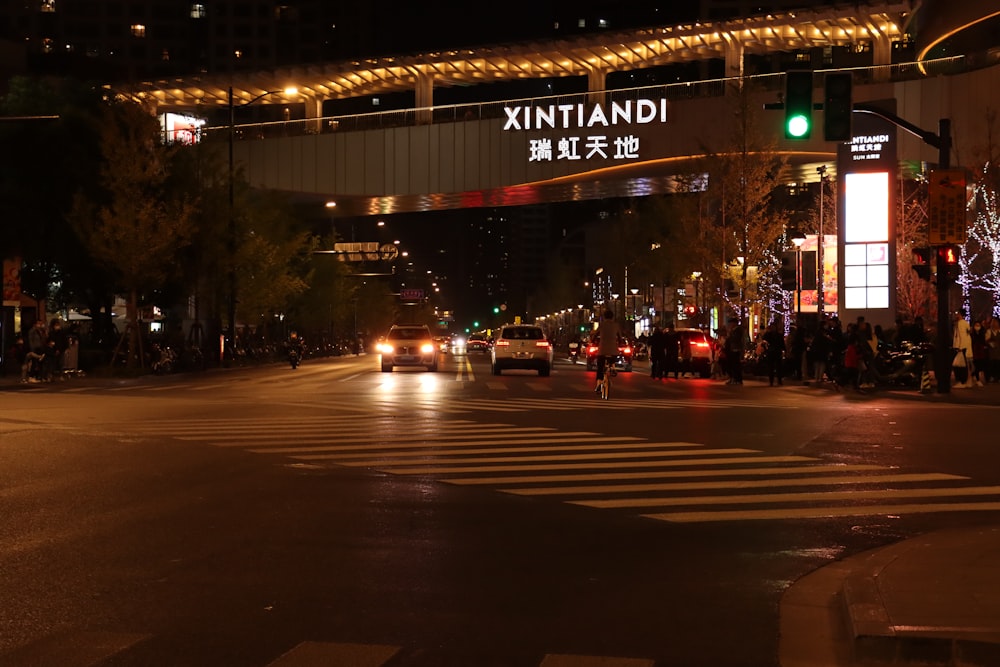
[[823, 512]]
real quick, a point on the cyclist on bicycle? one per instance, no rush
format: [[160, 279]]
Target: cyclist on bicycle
[[608, 333]]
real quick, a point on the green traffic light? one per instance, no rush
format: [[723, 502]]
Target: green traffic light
[[797, 126]]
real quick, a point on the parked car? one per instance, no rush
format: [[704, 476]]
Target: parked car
[[409, 345], [695, 352], [521, 346], [622, 363]]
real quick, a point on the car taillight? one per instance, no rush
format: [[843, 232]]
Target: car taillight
[[501, 343], [700, 344], [626, 350], [592, 349]]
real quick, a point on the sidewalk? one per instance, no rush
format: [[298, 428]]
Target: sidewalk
[[929, 600]]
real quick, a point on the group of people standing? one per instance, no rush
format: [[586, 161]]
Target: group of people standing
[[977, 351], [41, 351]]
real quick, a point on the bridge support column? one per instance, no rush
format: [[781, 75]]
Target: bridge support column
[[734, 57], [314, 111], [596, 85], [881, 55], [425, 98]]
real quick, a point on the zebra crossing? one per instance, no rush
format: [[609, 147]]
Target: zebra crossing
[[83, 648], [677, 482]]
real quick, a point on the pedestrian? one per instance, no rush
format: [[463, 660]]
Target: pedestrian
[[37, 340], [993, 349], [980, 354], [735, 349], [671, 352], [719, 355], [655, 343], [774, 353], [961, 343]]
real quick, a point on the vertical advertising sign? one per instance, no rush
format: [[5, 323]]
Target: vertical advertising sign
[[866, 170], [12, 282]]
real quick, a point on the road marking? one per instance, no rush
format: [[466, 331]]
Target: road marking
[[471, 447], [822, 512], [732, 484], [604, 465], [668, 474], [310, 654], [395, 462]]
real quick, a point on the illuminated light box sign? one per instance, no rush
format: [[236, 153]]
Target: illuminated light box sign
[[591, 143], [867, 260], [181, 129]]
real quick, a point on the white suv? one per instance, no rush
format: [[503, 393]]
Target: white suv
[[521, 346], [409, 345]]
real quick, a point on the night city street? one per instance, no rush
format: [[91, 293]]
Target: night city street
[[338, 515]]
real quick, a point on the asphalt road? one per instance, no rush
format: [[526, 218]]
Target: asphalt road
[[342, 516]]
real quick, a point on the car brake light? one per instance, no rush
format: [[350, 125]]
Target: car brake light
[[591, 349], [501, 343], [626, 350], [701, 344]]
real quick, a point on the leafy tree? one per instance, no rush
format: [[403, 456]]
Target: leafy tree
[[743, 177], [135, 226], [273, 259], [915, 297], [55, 157]]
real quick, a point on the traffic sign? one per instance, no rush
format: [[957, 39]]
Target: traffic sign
[[411, 294], [947, 206], [388, 252]]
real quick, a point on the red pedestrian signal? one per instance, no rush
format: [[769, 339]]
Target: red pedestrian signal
[[947, 262], [922, 262]]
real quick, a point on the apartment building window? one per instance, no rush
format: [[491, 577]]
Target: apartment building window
[[198, 11], [48, 45], [48, 6], [138, 30]]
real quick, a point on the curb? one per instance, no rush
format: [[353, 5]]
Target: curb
[[876, 641]]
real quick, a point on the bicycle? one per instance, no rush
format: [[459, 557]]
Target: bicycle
[[604, 386]]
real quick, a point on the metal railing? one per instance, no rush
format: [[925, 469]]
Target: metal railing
[[478, 111]]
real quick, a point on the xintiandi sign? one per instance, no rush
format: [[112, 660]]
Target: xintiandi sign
[[866, 168], [585, 131]]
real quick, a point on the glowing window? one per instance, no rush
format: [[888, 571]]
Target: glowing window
[[198, 11], [138, 30], [48, 6]]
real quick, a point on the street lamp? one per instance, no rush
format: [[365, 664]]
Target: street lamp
[[798, 240], [289, 92], [819, 243]]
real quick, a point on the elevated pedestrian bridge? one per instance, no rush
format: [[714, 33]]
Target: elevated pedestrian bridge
[[508, 153], [595, 144]]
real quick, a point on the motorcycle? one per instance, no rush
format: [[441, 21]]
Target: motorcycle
[[294, 357], [166, 360], [574, 352], [903, 366]]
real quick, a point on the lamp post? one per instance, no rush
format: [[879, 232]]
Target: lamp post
[[232, 207], [819, 243], [798, 241]]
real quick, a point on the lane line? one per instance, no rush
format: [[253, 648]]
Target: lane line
[[822, 512]]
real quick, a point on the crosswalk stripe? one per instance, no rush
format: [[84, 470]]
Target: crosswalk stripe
[[326, 436], [605, 465], [309, 654], [732, 484], [397, 461], [668, 474], [871, 494], [821, 512], [352, 451]]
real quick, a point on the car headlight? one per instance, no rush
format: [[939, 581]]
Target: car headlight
[[427, 348], [385, 348]]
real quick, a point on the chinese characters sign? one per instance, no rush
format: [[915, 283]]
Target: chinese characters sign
[[947, 199], [590, 123]]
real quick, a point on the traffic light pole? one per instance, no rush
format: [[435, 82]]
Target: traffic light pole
[[941, 141]]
